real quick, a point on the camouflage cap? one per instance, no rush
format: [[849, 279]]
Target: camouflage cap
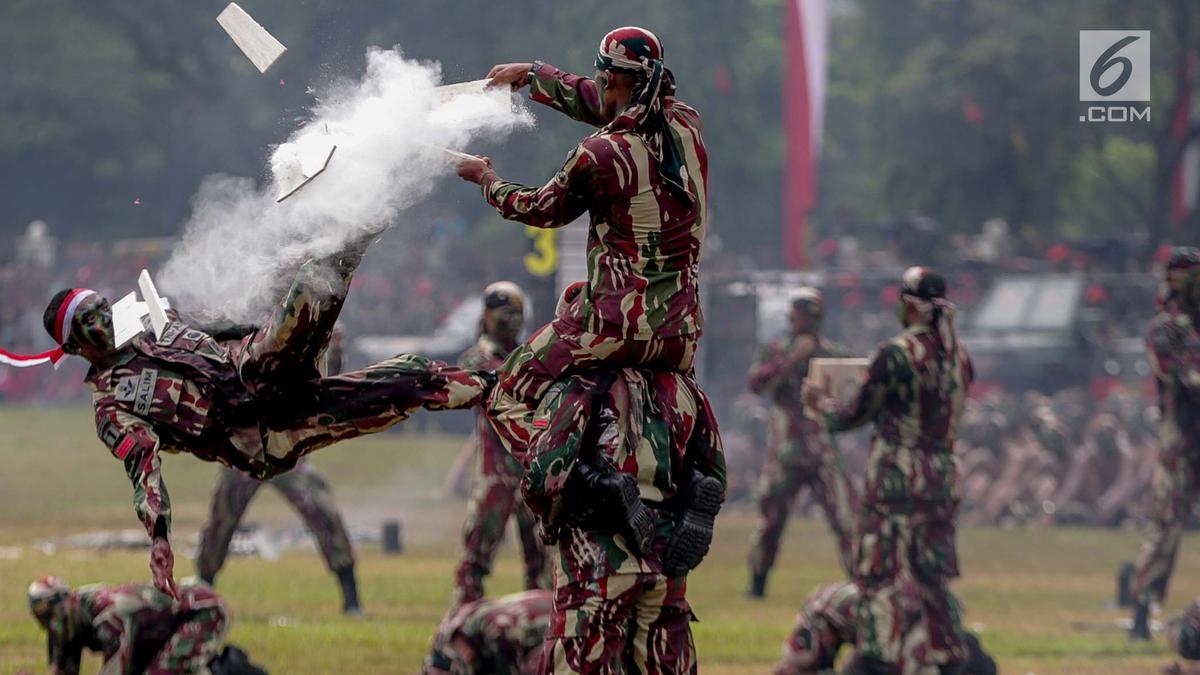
[[1183, 257], [923, 282]]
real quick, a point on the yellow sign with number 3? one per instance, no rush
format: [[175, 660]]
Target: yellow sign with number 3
[[542, 261]]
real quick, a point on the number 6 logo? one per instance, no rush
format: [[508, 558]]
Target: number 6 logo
[[1106, 61]]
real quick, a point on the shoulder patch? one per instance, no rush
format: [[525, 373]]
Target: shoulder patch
[[145, 391], [171, 332], [126, 388]]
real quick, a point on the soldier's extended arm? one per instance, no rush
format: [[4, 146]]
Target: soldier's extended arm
[[65, 656], [574, 96], [768, 369], [867, 403], [118, 627], [558, 202], [133, 441]]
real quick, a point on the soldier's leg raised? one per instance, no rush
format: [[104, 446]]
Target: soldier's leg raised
[[230, 498], [193, 645], [778, 485], [321, 412], [289, 346], [1174, 494], [551, 351], [311, 497]]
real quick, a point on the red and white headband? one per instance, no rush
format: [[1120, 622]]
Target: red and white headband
[[62, 328]]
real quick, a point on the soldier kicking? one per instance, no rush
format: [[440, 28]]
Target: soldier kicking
[[257, 404]]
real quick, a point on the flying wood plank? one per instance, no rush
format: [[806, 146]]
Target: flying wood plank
[[255, 42]]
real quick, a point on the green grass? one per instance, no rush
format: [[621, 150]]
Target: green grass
[[1039, 595]]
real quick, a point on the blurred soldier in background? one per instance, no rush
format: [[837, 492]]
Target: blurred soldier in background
[[829, 620], [503, 636], [915, 392], [495, 491], [308, 493], [135, 628], [1183, 634], [801, 453], [1173, 342]]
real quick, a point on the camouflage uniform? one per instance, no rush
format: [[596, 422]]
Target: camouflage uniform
[[1174, 345], [915, 393], [641, 305], [303, 488], [829, 620], [258, 404], [504, 636], [615, 612], [1183, 632], [494, 497], [137, 629], [801, 456]]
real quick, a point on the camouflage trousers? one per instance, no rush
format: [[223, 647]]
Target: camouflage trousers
[[796, 463], [552, 351], [910, 544], [1175, 485], [193, 645], [495, 496], [303, 488], [624, 623], [301, 411]]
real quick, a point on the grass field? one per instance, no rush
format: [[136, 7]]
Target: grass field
[[1038, 596]]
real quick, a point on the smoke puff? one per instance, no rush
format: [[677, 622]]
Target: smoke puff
[[240, 247]]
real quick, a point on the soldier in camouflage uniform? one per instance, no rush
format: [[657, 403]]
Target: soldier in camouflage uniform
[[642, 177], [615, 610], [504, 636], [311, 497], [915, 392], [828, 621], [135, 628], [308, 493], [801, 454], [1183, 634], [1173, 342], [495, 491], [257, 404]]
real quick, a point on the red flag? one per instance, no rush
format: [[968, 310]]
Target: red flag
[[804, 71]]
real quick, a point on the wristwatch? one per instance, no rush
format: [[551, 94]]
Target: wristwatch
[[537, 65]]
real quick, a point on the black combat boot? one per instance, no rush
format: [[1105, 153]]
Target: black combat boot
[[1140, 630], [350, 605], [1124, 584], [758, 585]]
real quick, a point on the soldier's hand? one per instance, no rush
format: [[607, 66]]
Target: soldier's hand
[[162, 565], [472, 170], [514, 75]]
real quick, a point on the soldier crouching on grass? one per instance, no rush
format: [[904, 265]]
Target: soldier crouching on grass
[[503, 636], [136, 629], [257, 404]]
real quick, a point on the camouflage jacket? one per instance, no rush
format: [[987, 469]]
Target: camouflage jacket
[[656, 426], [773, 374], [1173, 342], [644, 242], [504, 635], [128, 624], [169, 394], [915, 395]]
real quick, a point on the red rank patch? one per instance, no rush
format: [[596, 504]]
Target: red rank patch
[[541, 424], [126, 445]]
